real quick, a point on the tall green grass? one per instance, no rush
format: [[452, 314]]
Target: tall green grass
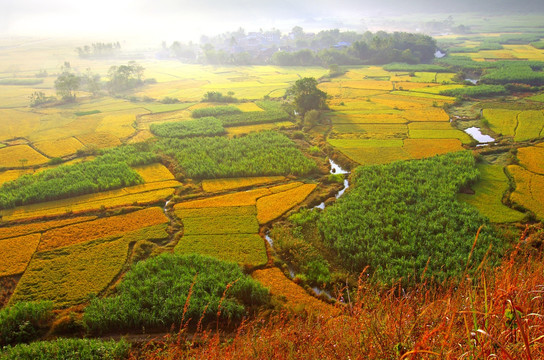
[[24, 321]]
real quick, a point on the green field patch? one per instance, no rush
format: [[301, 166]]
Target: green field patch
[[69, 275], [89, 112], [205, 126], [539, 97], [20, 82], [441, 134], [502, 121], [369, 152], [225, 224], [217, 212], [246, 249], [530, 124], [489, 191]]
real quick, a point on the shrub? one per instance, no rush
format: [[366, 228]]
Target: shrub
[[24, 321], [68, 349], [170, 289]]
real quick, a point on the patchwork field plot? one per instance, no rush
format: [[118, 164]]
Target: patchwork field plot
[[247, 129], [15, 253], [236, 199], [59, 147], [441, 134], [532, 158], [38, 227], [15, 123], [20, 156], [422, 148], [154, 173], [216, 211], [69, 275], [529, 191], [101, 228], [490, 190], [273, 206], [246, 249], [216, 185], [294, 296], [141, 194], [530, 124], [208, 225], [502, 121]]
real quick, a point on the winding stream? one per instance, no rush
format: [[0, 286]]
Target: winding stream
[[335, 169]]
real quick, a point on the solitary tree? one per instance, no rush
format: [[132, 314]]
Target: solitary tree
[[307, 96], [66, 85]]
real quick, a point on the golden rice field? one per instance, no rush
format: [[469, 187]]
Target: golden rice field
[[273, 206], [489, 192], [532, 158], [17, 123], [101, 228], [245, 249], [68, 276], [423, 148], [367, 118], [245, 198], [38, 227], [20, 156], [248, 106], [134, 195], [154, 173], [441, 134], [502, 121], [371, 131], [217, 185], [294, 297], [216, 225], [59, 147], [98, 140], [216, 211], [284, 187], [15, 253], [529, 191], [513, 52]]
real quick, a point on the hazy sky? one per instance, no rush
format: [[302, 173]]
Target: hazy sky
[[184, 20]]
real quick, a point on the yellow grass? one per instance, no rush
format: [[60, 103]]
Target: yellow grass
[[248, 106], [99, 140], [38, 227], [294, 296], [69, 275], [422, 148], [59, 147], [119, 124], [273, 206], [217, 185], [154, 173], [15, 123], [15, 253], [246, 129], [15, 156], [529, 191], [532, 158], [217, 212], [141, 194], [426, 114], [101, 228]]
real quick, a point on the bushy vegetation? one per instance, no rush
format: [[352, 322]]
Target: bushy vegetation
[[24, 321], [67, 181], [206, 126], [514, 73], [68, 349], [215, 111], [99, 50], [264, 153], [171, 289], [403, 221], [476, 91]]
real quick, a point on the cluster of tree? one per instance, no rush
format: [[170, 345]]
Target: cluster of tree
[[265, 153], [306, 96], [38, 98], [216, 96], [205, 126], [121, 78], [99, 50], [153, 292], [404, 222]]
